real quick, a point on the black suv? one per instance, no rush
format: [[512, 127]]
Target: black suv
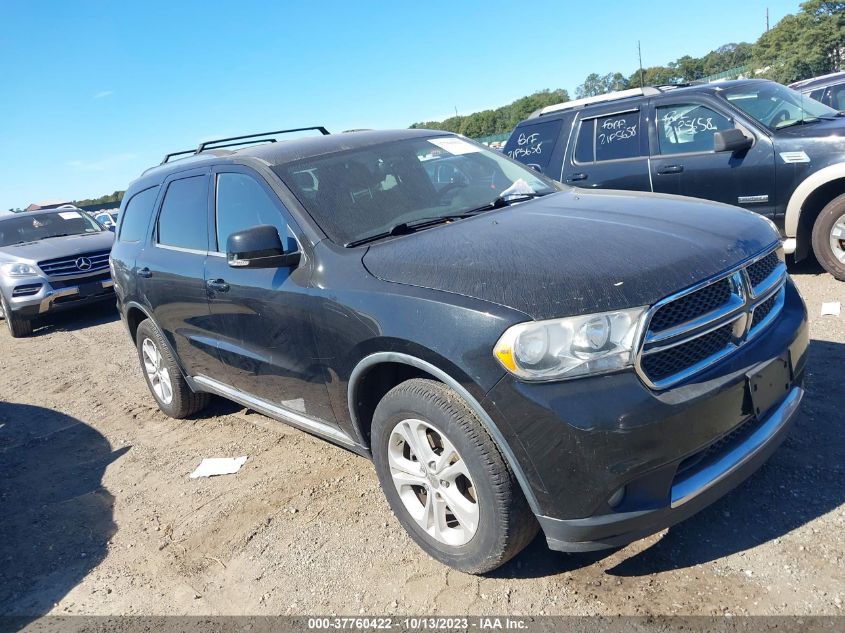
[[752, 143], [511, 353], [827, 89]]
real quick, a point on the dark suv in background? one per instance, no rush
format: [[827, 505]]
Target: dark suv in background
[[511, 353], [752, 143]]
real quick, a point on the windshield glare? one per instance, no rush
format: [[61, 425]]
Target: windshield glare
[[365, 192], [29, 227], [776, 106]]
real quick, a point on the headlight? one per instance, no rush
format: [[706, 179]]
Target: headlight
[[19, 270], [570, 347]]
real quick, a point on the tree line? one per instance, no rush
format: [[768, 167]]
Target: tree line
[[808, 43]]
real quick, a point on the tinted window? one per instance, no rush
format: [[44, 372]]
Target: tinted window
[[818, 95], [835, 97], [617, 136], [27, 227], [584, 145], [533, 144], [183, 220], [688, 127], [243, 203], [136, 215]]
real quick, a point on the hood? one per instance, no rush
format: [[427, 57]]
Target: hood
[[824, 128], [576, 252], [58, 247]]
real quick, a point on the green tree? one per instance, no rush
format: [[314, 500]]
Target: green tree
[[596, 84], [808, 43], [498, 121]]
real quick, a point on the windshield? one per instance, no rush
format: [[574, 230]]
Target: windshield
[[29, 227], [776, 106], [365, 192]]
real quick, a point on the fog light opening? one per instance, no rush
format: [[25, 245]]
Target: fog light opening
[[616, 498]]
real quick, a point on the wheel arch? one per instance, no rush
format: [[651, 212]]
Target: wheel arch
[[807, 201], [414, 367]]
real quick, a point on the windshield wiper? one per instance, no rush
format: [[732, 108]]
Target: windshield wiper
[[507, 200], [812, 119], [404, 228]]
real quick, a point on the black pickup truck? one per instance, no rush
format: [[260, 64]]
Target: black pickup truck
[[752, 143]]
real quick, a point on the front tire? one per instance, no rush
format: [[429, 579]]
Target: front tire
[[446, 480], [164, 378], [18, 327], [829, 238]]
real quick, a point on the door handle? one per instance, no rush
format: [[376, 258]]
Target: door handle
[[218, 285], [574, 177], [145, 272], [670, 169]]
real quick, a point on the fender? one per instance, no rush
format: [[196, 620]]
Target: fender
[[486, 421], [135, 304], [804, 190]]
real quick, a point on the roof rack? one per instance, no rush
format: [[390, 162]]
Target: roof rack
[[611, 96], [167, 157], [246, 139]]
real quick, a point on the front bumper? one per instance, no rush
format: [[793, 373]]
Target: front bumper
[[57, 296], [609, 461]]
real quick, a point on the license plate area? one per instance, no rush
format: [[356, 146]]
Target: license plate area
[[90, 288], [768, 384]]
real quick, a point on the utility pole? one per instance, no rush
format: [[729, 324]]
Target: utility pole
[[456, 110], [640, 55], [767, 19]]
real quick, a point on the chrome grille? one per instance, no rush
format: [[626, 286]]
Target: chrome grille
[[692, 305], [668, 362], [689, 331], [75, 265], [762, 268]]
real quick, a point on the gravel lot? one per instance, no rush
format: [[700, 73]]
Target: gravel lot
[[99, 516]]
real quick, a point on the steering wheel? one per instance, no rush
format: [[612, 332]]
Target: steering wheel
[[452, 186], [780, 117]]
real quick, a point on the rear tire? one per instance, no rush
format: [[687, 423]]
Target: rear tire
[[18, 326], [460, 501], [164, 378], [829, 237]]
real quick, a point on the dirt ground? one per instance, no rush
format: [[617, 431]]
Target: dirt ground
[[99, 515]]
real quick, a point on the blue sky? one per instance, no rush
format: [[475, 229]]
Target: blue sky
[[94, 92]]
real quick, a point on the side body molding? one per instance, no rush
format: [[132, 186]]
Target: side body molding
[[486, 421], [804, 190]]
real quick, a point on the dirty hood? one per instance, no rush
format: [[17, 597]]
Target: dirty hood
[[576, 252]]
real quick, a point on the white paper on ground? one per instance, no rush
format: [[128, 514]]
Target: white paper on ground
[[831, 308], [211, 466]]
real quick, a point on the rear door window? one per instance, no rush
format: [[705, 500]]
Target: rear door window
[[611, 137], [618, 136], [136, 215], [183, 220], [688, 127], [533, 144]]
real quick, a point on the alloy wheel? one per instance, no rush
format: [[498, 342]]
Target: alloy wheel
[[157, 375], [433, 482], [837, 239]]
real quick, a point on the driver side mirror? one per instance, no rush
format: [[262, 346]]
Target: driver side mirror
[[732, 140], [259, 247]]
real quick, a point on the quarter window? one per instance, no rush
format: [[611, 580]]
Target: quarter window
[[243, 203], [584, 146], [183, 221], [533, 144], [688, 127], [136, 215]]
